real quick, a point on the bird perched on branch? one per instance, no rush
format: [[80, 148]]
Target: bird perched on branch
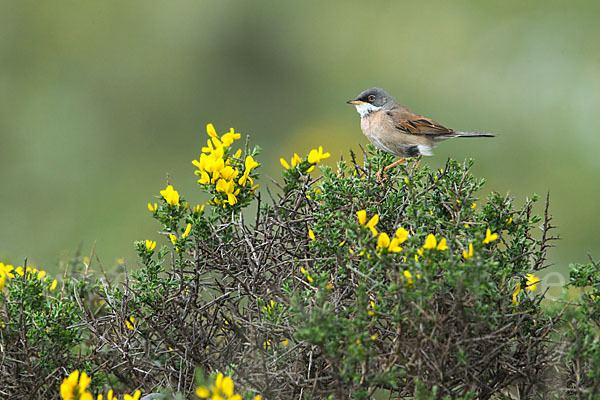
[[393, 128]]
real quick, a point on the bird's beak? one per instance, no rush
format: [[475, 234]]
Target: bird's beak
[[355, 102]]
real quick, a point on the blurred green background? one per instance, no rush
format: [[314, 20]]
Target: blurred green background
[[99, 100]]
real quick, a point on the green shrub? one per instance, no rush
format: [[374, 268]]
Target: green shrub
[[346, 284]]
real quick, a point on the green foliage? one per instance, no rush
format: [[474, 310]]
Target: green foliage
[[40, 333], [583, 351], [353, 284]]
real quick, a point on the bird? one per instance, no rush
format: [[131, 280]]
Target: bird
[[395, 129]]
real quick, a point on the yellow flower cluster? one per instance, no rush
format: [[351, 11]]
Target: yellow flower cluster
[[269, 306], [383, 240], [531, 284], [305, 273], [170, 195], [432, 243], [221, 390], [315, 156], [216, 168], [5, 272], [489, 237], [409, 282], [8, 271], [393, 245], [362, 220], [74, 387], [468, 253]]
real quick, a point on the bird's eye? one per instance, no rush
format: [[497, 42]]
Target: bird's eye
[[371, 98]]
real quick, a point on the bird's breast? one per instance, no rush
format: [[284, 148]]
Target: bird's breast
[[380, 129]]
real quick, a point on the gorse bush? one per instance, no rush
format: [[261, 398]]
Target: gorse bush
[[345, 284]]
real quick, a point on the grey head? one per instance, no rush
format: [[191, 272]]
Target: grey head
[[371, 100]]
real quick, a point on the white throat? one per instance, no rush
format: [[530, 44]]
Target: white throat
[[366, 108]]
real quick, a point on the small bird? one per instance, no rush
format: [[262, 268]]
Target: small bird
[[395, 129]]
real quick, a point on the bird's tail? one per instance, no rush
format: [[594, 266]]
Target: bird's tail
[[473, 134]]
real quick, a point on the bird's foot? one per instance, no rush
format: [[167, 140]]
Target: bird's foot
[[381, 173]]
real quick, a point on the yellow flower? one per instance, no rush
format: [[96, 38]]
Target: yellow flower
[[311, 234], [229, 173], [152, 208], [5, 272], [383, 241], [202, 392], [401, 235], [516, 293], [150, 245], [170, 195], [442, 245], [473, 205], [371, 312], [53, 285], [284, 163], [188, 228], [257, 397], [173, 238], [408, 276], [296, 160], [130, 323], [228, 188], [225, 386], [199, 209], [316, 156], [71, 389], [430, 242], [362, 217], [509, 221], [394, 245], [371, 224], [221, 390], [136, 396], [250, 164], [229, 137], [210, 129], [532, 282], [214, 147], [468, 254], [489, 236]]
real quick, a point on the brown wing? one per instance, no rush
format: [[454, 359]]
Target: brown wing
[[409, 122]]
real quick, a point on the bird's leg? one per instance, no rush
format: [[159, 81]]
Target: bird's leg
[[381, 172], [395, 163], [417, 164]]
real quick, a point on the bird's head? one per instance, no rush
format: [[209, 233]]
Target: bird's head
[[371, 100]]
